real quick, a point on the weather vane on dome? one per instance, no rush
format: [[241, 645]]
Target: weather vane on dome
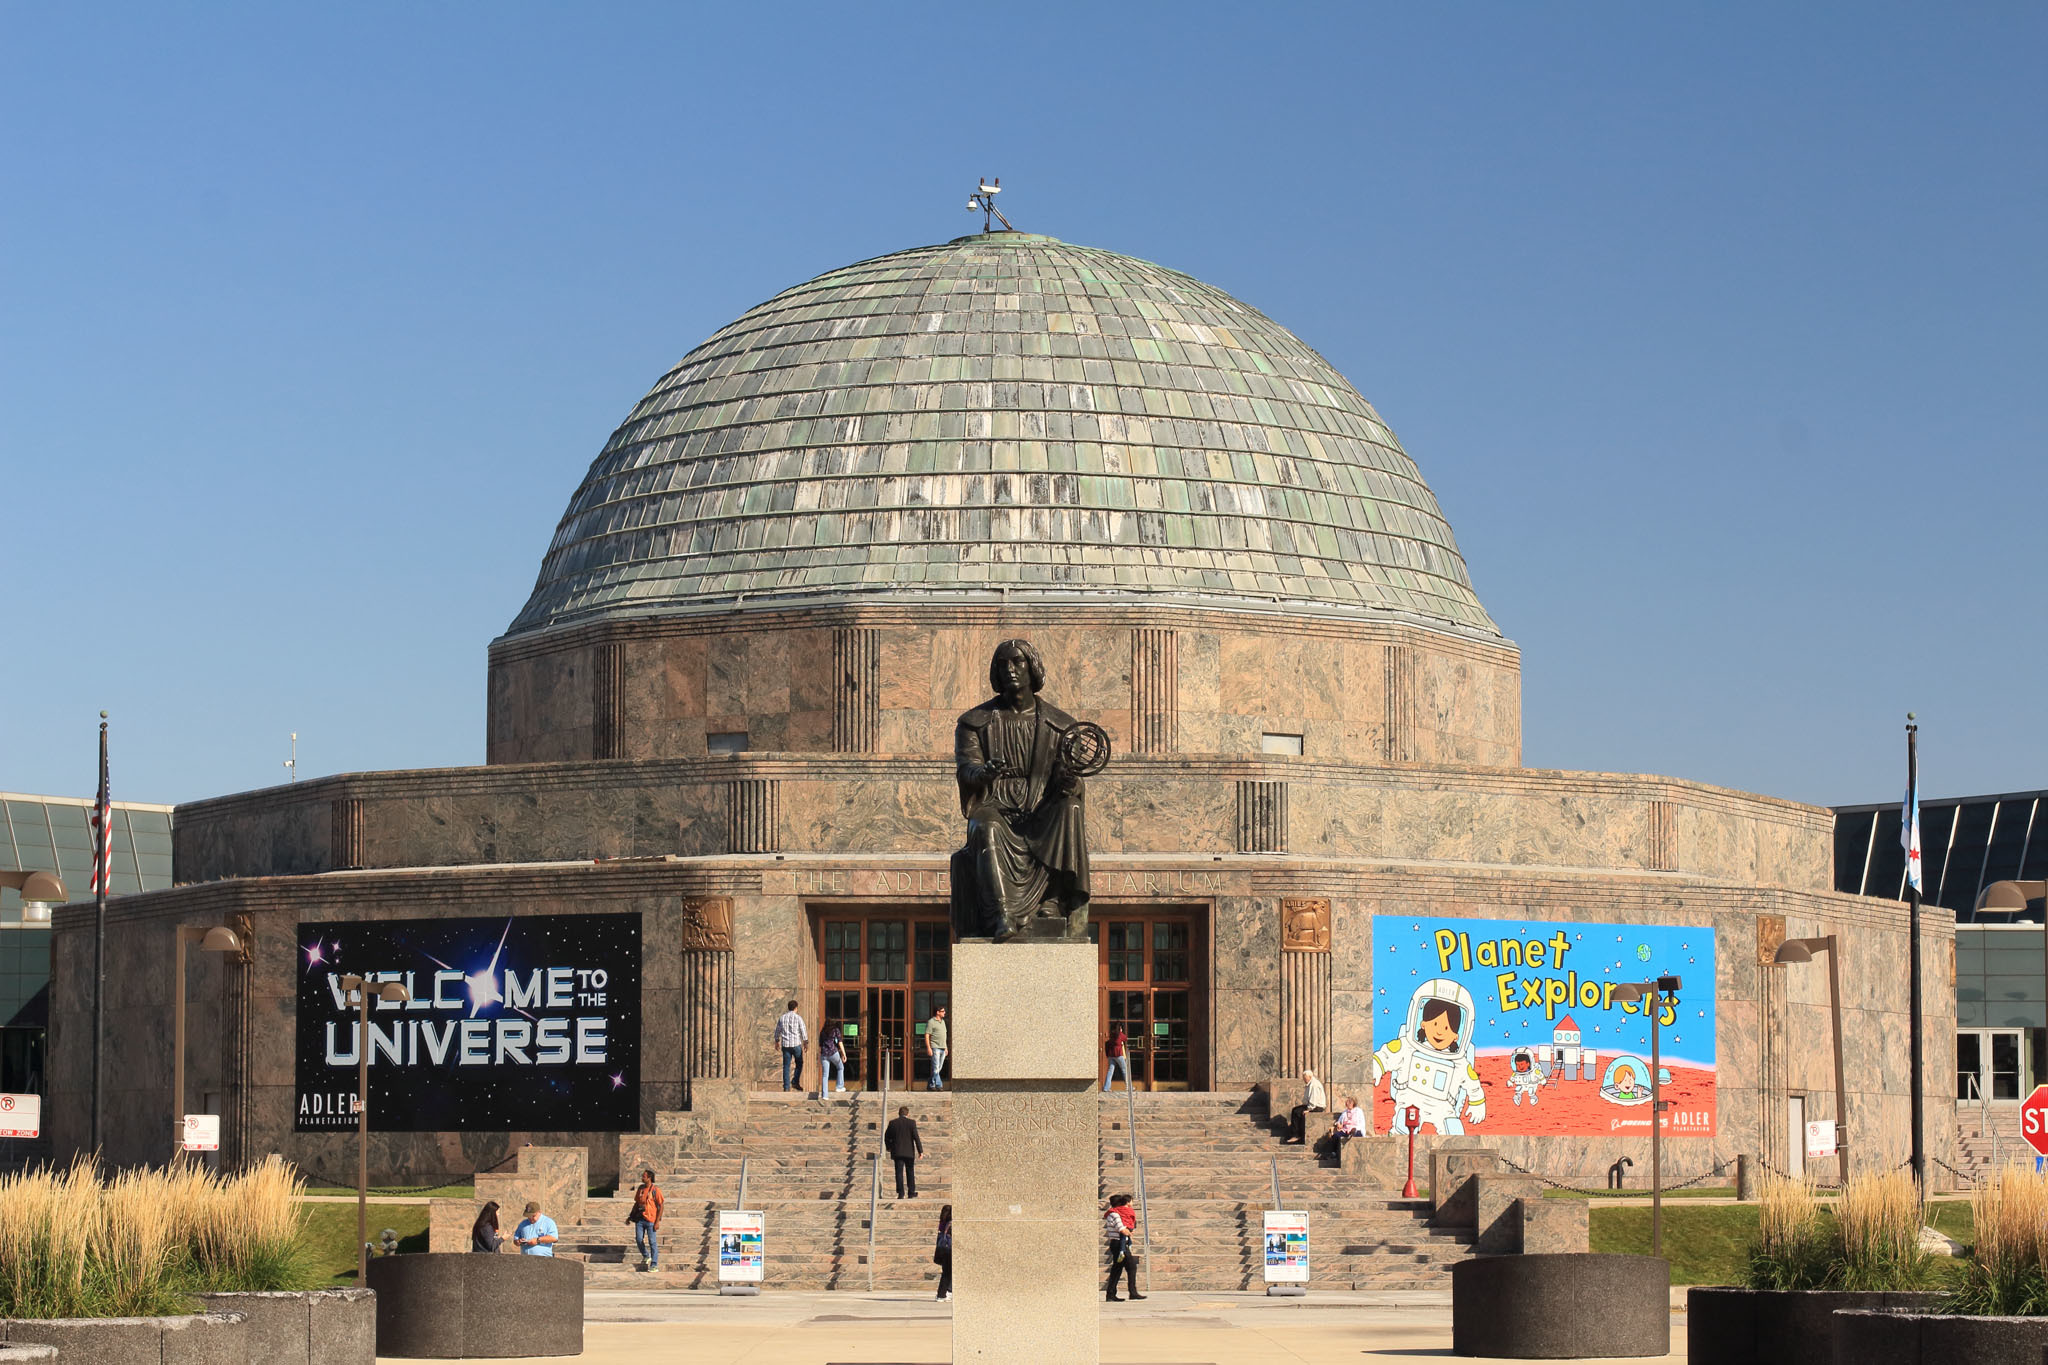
[[985, 200]]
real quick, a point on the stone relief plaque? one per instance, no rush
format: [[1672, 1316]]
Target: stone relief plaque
[[1770, 936], [1305, 925], [707, 924]]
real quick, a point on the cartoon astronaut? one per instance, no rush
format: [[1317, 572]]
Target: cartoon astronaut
[[1526, 1074], [1432, 1062]]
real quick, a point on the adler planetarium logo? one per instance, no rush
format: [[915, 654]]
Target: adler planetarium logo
[[520, 1024]]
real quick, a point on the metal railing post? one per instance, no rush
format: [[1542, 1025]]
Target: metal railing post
[[1145, 1217], [741, 1206], [874, 1208], [1277, 1205]]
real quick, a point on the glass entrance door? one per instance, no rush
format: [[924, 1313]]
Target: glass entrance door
[[884, 974], [1145, 966], [1988, 1065]]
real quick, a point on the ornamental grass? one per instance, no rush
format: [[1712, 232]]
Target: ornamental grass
[[1790, 1251], [2008, 1270], [1869, 1241], [140, 1244]]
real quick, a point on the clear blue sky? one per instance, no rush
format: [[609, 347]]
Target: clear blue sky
[[1717, 329]]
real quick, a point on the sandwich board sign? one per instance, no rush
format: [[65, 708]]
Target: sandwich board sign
[[1286, 1247], [741, 1256], [21, 1116]]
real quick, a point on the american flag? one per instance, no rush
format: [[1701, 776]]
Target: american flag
[[102, 837]]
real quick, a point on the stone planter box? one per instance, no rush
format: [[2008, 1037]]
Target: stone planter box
[[458, 1305], [1561, 1307], [189, 1339], [312, 1327], [1725, 1325], [1938, 1339]]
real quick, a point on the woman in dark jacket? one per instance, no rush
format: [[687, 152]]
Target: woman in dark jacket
[[483, 1234], [942, 1253]]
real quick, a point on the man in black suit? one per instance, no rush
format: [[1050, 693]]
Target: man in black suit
[[904, 1146]]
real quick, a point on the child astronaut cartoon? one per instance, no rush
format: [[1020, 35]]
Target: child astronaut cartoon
[[1432, 1063], [1525, 1074]]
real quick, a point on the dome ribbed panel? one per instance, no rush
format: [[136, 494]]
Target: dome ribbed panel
[[1003, 413]]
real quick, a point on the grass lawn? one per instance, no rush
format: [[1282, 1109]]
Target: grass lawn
[[1709, 1244], [331, 1231]]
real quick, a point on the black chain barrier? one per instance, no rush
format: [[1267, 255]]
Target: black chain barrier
[[1719, 1168]]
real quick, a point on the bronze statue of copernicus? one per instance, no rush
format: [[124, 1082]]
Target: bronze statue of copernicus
[[1021, 763]]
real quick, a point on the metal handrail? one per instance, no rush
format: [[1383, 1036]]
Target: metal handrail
[[1145, 1221], [874, 1208], [1277, 1205], [741, 1206], [875, 1166]]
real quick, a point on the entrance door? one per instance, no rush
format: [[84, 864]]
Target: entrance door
[[1146, 967], [884, 974], [1988, 1065]]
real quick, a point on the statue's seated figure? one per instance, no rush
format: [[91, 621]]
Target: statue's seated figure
[[1027, 840]]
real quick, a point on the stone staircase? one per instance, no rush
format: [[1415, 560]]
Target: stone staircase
[[809, 1172], [1208, 1161], [1976, 1144]]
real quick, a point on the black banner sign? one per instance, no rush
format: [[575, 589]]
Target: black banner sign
[[529, 1024]]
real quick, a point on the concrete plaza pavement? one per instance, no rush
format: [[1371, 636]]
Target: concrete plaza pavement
[[627, 1327]]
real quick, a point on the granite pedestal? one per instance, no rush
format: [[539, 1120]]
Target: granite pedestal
[[1027, 1254]]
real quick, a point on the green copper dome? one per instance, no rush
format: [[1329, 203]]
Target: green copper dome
[[1004, 413]]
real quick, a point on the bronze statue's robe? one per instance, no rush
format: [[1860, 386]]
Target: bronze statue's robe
[[1026, 830]]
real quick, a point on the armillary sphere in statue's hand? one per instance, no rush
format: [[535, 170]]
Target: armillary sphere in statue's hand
[[1084, 750]]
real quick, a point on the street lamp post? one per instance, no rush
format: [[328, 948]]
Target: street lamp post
[[1651, 995], [1802, 950], [395, 993], [215, 940]]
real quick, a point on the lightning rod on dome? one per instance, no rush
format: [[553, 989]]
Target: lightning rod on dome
[[984, 198]]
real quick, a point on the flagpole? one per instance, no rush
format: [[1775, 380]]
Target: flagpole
[[1914, 1021], [99, 937]]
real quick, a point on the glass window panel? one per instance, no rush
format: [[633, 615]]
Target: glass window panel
[[1887, 858], [2035, 866], [1852, 849], [887, 958], [1968, 1057], [2005, 1066], [1936, 824], [842, 951], [2008, 838], [1965, 865], [934, 952]]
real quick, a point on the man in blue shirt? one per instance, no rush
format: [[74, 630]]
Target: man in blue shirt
[[536, 1234]]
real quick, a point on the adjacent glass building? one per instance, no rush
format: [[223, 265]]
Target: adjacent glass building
[[1966, 844], [54, 834]]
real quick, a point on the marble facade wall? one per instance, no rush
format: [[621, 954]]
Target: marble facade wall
[[891, 680], [866, 804], [1263, 1010]]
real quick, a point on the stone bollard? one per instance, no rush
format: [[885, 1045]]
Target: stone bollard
[[1745, 1187]]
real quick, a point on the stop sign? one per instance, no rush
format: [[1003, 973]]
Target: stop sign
[[2034, 1119]]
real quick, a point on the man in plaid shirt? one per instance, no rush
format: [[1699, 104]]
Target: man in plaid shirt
[[790, 1036]]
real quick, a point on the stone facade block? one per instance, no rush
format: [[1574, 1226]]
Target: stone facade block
[[1554, 1226], [996, 984]]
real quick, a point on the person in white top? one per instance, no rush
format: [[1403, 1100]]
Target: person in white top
[[790, 1036], [1351, 1123], [1314, 1101]]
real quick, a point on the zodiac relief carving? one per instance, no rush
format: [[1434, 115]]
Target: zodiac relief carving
[[1305, 925], [707, 924]]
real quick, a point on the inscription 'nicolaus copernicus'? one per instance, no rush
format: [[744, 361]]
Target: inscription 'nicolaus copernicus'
[[1021, 764]]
